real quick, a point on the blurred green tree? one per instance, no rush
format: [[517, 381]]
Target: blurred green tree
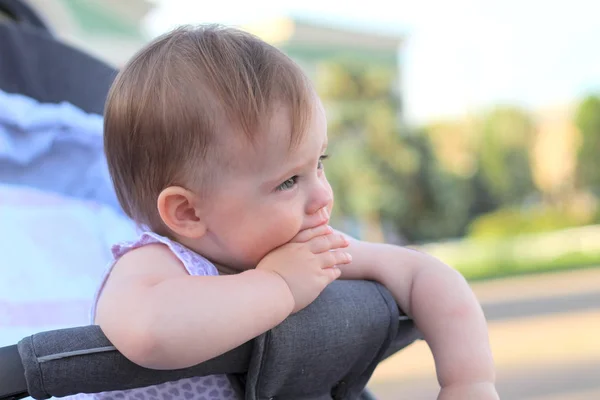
[[437, 201], [379, 170], [506, 138], [365, 140], [587, 120]]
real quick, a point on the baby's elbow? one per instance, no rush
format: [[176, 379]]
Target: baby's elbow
[[143, 350], [466, 304], [136, 342], [447, 286]]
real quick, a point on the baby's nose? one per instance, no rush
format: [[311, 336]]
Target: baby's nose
[[321, 199]]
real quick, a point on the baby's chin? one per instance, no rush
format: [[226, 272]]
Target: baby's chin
[[232, 267], [244, 261]]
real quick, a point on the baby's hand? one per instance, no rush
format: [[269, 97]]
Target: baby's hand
[[308, 263], [474, 391]]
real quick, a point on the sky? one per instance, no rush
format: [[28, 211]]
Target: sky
[[459, 56]]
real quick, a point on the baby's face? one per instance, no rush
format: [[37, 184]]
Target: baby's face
[[270, 196]]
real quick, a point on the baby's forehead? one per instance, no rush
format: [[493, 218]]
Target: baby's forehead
[[278, 145], [267, 149], [283, 134]]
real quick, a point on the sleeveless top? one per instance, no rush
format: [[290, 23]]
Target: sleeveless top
[[213, 387]]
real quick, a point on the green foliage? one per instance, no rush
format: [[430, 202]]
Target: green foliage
[[358, 188], [369, 157], [435, 203], [378, 171], [507, 135], [510, 266], [509, 222], [483, 258], [587, 120], [441, 181]]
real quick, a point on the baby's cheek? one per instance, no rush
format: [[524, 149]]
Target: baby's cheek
[[283, 233], [261, 244], [274, 229]]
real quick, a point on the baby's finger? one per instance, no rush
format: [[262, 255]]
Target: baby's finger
[[332, 258], [331, 274], [308, 234], [325, 243]]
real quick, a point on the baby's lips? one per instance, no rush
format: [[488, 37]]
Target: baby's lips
[[317, 219], [323, 216]]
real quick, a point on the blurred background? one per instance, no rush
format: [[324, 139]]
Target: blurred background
[[469, 129]]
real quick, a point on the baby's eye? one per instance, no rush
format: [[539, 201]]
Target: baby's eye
[[288, 184], [321, 159]]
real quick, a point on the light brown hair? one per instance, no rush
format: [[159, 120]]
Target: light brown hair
[[170, 107]]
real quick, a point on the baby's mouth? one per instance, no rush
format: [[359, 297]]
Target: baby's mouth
[[319, 218]]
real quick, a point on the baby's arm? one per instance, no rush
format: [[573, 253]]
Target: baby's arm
[[160, 317], [442, 306]]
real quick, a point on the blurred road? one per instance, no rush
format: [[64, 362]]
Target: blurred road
[[545, 334]]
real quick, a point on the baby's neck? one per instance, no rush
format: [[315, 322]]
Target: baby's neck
[[193, 245], [225, 270]]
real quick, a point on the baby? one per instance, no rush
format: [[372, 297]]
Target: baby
[[216, 143]]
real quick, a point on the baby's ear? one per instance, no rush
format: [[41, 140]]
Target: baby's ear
[[178, 210]]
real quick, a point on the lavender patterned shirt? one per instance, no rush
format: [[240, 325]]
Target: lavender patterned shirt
[[214, 387]]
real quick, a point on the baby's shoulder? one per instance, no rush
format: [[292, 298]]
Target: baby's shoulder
[[153, 261], [152, 252]]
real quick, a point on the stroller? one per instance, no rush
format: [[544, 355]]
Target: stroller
[[362, 322]]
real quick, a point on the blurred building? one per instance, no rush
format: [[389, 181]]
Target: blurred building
[[311, 42], [109, 29], [554, 154], [114, 29]]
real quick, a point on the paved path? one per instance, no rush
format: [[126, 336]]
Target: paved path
[[545, 334]]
